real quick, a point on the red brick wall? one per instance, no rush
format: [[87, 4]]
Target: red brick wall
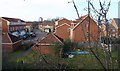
[[16, 46], [6, 48], [4, 26], [63, 21], [63, 31], [79, 34], [10, 47], [44, 49]]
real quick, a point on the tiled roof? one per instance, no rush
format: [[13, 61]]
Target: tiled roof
[[28, 24], [9, 38], [47, 23], [81, 18], [13, 19], [50, 38], [64, 20]]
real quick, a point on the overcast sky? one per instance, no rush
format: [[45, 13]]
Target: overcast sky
[[31, 10]]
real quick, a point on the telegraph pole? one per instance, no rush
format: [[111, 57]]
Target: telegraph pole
[[89, 23]]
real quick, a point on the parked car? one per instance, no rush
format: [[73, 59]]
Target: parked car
[[32, 34], [24, 36]]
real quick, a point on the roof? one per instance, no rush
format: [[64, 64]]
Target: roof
[[81, 18], [47, 23], [117, 20], [13, 19], [9, 38], [64, 20], [50, 39], [28, 24]]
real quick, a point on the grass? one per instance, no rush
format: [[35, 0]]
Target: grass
[[35, 61]]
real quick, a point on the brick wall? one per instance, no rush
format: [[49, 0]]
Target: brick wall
[[4, 26], [44, 49], [63, 31], [79, 34]]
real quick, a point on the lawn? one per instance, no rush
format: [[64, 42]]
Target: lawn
[[35, 60]]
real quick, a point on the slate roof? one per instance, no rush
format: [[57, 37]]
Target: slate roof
[[13, 19]]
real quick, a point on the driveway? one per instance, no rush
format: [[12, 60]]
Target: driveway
[[39, 36]]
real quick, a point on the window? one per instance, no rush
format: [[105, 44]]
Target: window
[[68, 29], [10, 29], [0, 22], [113, 30], [13, 28], [87, 24]]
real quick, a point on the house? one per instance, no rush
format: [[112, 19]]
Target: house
[[61, 21], [103, 30], [116, 23], [10, 42], [62, 28], [47, 26], [29, 26], [44, 45], [112, 27], [80, 32], [12, 24]]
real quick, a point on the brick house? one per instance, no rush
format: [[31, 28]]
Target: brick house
[[12, 24], [10, 42], [103, 30], [46, 26], [44, 46], [116, 24], [74, 30], [29, 26], [79, 33], [113, 28], [77, 30], [61, 21], [62, 28]]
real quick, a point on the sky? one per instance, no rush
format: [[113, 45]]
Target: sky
[[31, 10]]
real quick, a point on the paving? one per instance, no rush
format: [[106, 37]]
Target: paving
[[39, 36]]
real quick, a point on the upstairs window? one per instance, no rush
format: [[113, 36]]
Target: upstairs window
[[0, 22], [87, 24]]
